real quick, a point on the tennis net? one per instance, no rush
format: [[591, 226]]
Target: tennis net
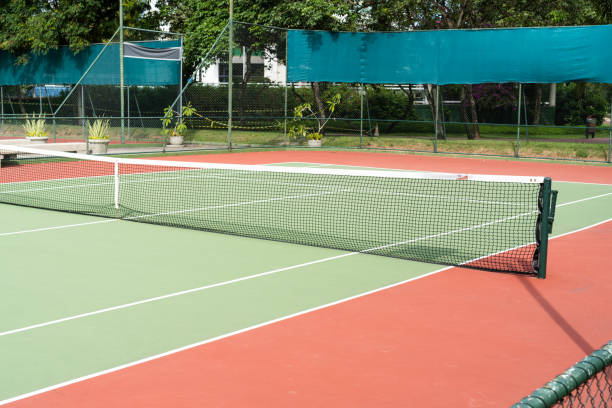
[[476, 221]]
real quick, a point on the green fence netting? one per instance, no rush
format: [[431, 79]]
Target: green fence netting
[[587, 383]]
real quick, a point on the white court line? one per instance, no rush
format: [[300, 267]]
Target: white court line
[[247, 329], [4, 234], [171, 295]]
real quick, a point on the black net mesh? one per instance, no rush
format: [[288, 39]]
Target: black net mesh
[[482, 223]]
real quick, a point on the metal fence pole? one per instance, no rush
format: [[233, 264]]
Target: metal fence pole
[[2, 110], [361, 117], [286, 85], [121, 72], [518, 126], [163, 136], [610, 141], [180, 85], [128, 111], [230, 55], [83, 113], [526, 120], [39, 99], [436, 119]]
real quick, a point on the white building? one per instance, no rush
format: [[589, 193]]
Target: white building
[[262, 66]]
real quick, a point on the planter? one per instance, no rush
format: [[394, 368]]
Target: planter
[[176, 140], [315, 143], [37, 139], [98, 146]]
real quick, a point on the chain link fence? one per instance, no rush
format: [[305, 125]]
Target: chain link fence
[[558, 121], [587, 384]]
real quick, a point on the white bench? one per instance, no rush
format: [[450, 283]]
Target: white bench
[[71, 147]]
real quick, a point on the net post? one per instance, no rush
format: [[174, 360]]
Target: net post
[[545, 226], [116, 172], [230, 74], [518, 125], [54, 129]]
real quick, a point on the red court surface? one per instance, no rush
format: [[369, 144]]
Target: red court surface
[[558, 171]]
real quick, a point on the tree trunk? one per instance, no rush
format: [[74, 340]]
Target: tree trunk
[[470, 96], [430, 94], [20, 100], [409, 111], [464, 113], [410, 95], [538, 105], [552, 96], [316, 90], [296, 94], [243, 85]]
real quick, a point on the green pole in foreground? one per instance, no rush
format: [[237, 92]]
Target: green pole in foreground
[[518, 125], [230, 56], [547, 216], [121, 73]]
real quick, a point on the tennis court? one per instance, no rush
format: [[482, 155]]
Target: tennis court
[[105, 312]]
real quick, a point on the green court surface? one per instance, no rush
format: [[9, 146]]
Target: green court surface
[[83, 294]]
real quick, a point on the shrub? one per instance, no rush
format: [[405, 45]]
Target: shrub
[[575, 101]]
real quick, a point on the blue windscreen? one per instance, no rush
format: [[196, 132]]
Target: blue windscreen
[[527, 55], [62, 66]]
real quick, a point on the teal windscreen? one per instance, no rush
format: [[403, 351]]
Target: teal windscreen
[[62, 66], [527, 55]]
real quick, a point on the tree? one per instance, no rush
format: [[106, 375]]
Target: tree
[[40, 25], [37, 26]]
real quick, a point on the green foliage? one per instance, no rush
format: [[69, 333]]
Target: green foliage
[[174, 125], [99, 129], [35, 127], [304, 119], [575, 101], [39, 25]]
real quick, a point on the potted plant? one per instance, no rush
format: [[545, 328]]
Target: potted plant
[[99, 136], [174, 126], [314, 139], [299, 130], [35, 129]]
